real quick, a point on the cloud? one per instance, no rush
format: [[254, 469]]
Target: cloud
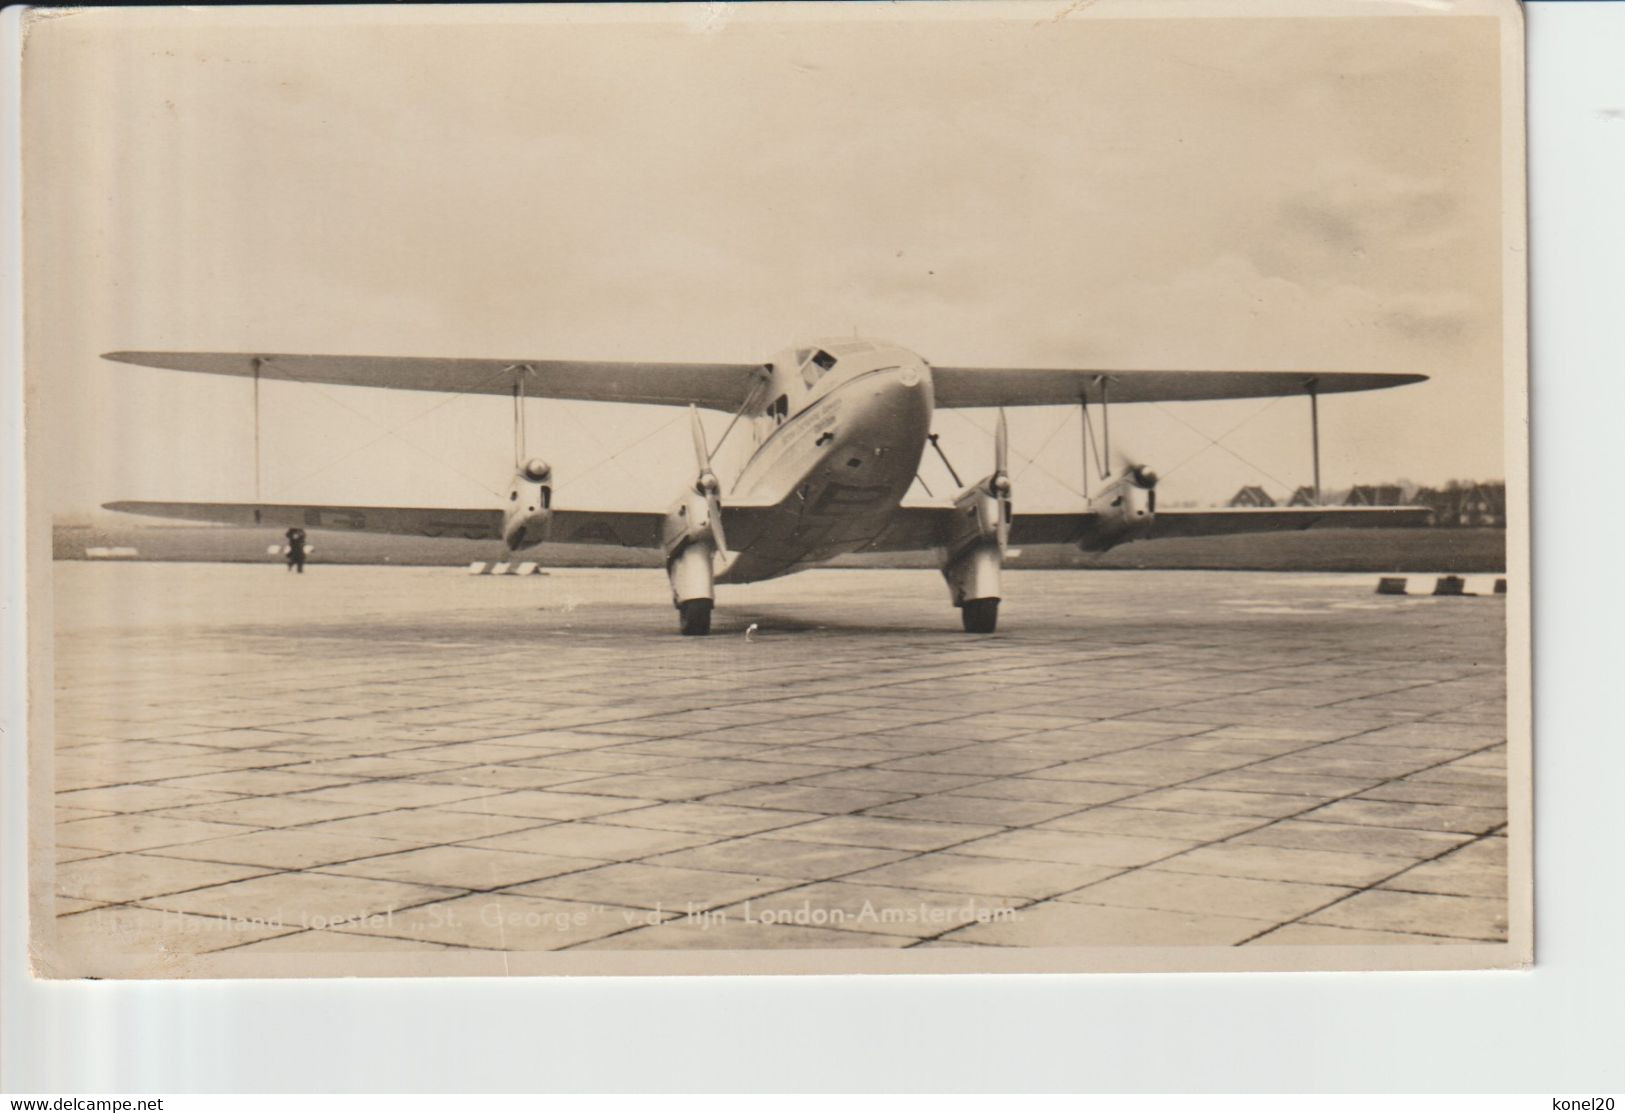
[[1229, 313], [1435, 318], [1361, 210]]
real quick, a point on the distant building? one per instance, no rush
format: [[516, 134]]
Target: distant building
[[1251, 496], [1303, 496], [1387, 494], [1484, 504], [1466, 504]]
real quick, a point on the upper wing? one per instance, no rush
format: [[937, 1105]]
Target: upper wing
[[726, 386], [1023, 386], [720, 386], [631, 529]]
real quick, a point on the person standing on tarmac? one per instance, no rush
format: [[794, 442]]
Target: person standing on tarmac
[[296, 550]]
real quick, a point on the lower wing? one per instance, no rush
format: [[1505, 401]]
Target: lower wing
[[1210, 523], [631, 529], [1083, 529], [925, 527], [912, 528]]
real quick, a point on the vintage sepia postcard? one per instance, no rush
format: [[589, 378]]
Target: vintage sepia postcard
[[784, 487]]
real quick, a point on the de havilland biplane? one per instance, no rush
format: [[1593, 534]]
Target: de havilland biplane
[[837, 431]]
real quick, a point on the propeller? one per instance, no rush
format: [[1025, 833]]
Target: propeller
[[1136, 473], [707, 483], [1000, 483]]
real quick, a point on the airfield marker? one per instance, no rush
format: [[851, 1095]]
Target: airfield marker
[[1447, 585]]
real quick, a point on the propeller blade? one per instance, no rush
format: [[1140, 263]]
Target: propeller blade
[[715, 515], [1001, 445], [1135, 472], [702, 455]]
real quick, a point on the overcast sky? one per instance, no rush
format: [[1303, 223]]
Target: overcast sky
[[717, 184]]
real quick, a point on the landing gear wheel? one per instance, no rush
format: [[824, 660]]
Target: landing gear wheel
[[981, 616], [694, 617]]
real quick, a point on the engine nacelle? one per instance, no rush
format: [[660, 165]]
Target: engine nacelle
[[689, 537], [986, 509], [981, 515], [1125, 509], [688, 522], [530, 506], [974, 552]]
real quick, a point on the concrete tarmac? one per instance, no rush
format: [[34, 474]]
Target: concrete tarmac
[[390, 760]]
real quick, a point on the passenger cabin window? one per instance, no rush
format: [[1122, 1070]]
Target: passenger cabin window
[[780, 409]]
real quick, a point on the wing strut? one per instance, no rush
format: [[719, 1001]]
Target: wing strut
[[751, 398], [1088, 443], [945, 463], [257, 362], [1083, 440], [1311, 385], [520, 370], [1106, 416]]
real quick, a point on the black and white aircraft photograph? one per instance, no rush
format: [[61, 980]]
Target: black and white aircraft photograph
[[785, 488]]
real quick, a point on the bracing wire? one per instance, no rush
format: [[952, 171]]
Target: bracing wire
[[1214, 442], [387, 431]]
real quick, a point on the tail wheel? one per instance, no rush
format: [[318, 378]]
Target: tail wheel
[[981, 616], [694, 617]]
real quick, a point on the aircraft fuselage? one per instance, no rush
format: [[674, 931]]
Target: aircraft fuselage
[[838, 431]]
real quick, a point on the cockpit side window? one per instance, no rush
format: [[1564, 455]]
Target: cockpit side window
[[813, 365]]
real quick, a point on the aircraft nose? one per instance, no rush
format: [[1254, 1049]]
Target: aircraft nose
[[886, 398], [908, 394]]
